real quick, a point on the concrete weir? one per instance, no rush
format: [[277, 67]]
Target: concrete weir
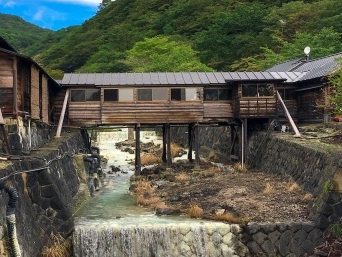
[[174, 239]]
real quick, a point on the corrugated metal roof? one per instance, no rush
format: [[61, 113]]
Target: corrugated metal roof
[[175, 78], [311, 69]]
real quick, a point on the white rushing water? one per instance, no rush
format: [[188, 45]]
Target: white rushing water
[[111, 225]]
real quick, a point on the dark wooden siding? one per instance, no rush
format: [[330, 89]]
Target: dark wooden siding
[[85, 113], [6, 101], [310, 105], [218, 109]]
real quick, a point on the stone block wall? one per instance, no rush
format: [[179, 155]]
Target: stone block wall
[[19, 134], [281, 239], [46, 197]]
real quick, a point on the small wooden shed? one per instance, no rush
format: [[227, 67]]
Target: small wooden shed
[[25, 88]]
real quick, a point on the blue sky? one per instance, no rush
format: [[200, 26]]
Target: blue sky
[[51, 14]]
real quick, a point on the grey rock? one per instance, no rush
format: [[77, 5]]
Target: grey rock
[[307, 227], [268, 228], [269, 248], [274, 236], [254, 248], [338, 209], [315, 236], [295, 227], [284, 242], [300, 235], [308, 246], [296, 248], [259, 237], [253, 228]]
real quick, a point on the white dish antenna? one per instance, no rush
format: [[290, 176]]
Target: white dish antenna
[[307, 50]]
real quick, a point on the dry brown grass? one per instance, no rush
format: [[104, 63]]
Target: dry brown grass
[[269, 189], [216, 169], [182, 177], [149, 159], [59, 247], [195, 211], [293, 187], [227, 217], [176, 150], [145, 195], [239, 168], [308, 197]]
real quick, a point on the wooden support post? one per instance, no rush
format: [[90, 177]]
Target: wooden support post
[[164, 144], [15, 86], [168, 140], [245, 140], [137, 150], [197, 146], [190, 142], [61, 118], [288, 115]]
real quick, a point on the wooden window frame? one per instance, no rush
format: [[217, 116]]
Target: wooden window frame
[[217, 101], [257, 97], [85, 95]]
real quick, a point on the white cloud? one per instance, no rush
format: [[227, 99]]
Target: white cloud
[[82, 2], [39, 14], [8, 3]]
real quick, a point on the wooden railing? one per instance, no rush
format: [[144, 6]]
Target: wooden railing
[[257, 107]]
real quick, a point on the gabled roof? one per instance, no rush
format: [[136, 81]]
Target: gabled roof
[[174, 78], [313, 69]]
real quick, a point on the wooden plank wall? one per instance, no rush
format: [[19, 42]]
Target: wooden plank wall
[[56, 108], [291, 105], [6, 84], [84, 113], [218, 110], [309, 103], [45, 99], [35, 111], [152, 112]]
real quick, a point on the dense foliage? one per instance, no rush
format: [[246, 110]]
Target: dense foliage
[[336, 80], [225, 34], [21, 34]]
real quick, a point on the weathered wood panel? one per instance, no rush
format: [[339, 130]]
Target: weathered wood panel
[[45, 100], [6, 71], [56, 107], [291, 105], [257, 107], [152, 113], [35, 111], [218, 110], [6, 101], [311, 105], [84, 113]]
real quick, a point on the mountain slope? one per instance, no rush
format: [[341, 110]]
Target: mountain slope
[[222, 32], [21, 34]]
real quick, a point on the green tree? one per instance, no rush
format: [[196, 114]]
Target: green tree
[[336, 99], [104, 4], [325, 42], [163, 54]]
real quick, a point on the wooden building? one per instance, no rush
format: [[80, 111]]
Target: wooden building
[[307, 97], [25, 88], [173, 98]]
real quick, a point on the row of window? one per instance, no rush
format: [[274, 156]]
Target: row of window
[[149, 94], [166, 94]]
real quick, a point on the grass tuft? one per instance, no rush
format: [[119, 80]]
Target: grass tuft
[[307, 197], [176, 150], [58, 247], [216, 169], [195, 211], [149, 159], [227, 217], [269, 189], [293, 187], [145, 195], [239, 168], [182, 177]]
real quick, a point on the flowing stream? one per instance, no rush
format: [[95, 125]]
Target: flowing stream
[[111, 225]]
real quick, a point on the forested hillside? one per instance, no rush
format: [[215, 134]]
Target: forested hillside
[[22, 35], [223, 34]]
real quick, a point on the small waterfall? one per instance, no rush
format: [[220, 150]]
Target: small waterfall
[[191, 239]]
